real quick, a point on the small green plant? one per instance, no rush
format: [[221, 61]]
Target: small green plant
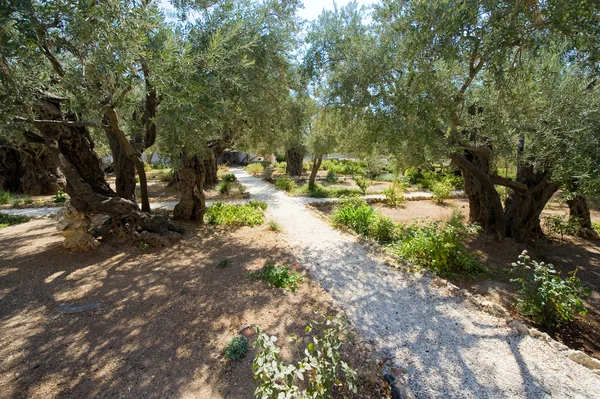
[[6, 197], [229, 177], [236, 348], [320, 191], [59, 197], [280, 167], [596, 226], [314, 376], [441, 191], [274, 226], [27, 200], [144, 246], [558, 225], [255, 169], [356, 214], [258, 204], [221, 213], [383, 230], [166, 176], [439, 248], [285, 183], [16, 202], [11, 220], [223, 264], [160, 166], [394, 194], [147, 166], [331, 176], [279, 276], [546, 297], [224, 187], [363, 184]]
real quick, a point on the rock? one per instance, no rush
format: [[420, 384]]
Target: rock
[[584, 360], [464, 293], [559, 346], [495, 309], [75, 226], [520, 327], [452, 288], [439, 282]]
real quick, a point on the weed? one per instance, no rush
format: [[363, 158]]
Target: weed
[[285, 183], [237, 189], [274, 226], [363, 184], [558, 225], [11, 220], [6, 197], [229, 177], [224, 187], [258, 204], [279, 276], [221, 213], [160, 166], [545, 296], [223, 264], [394, 194], [59, 197], [144, 246], [441, 191], [236, 348], [255, 169], [320, 370], [331, 176], [596, 226], [383, 230], [27, 200], [320, 191], [356, 214], [280, 167]]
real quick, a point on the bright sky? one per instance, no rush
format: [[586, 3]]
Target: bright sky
[[312, 8]]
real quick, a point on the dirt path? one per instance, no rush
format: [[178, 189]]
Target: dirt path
[[448, 348]]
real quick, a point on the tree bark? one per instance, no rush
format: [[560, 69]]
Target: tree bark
[[191, 176], [580, 211], [211, 169], [523, 208], [11, 169], [124, 169], [294, 157], [315, 169], [41, 176]]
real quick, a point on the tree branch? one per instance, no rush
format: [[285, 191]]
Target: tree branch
[[503, 181]]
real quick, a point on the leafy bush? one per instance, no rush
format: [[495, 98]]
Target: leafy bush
[[237, 189], [279, 276], [147, 166], [320, 191], [344, 166], [229, 177], [59, 197], [320, 370], [280, 167], [438, 248], [558, 225], [6, 197], [394, 194], [413, 176], [356, 214], [441, 191], [285, 183], [596, 226], [27, 200], [234, 214], [255, 169], [545, 296], [160, 165], [363, 184], [258, 204], [236, 348], [11, 220], [383, 230], [224, 187], [331, 176]]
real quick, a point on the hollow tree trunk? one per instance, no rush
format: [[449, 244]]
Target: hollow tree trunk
[[10, 170], [191, 176], [315, 169], [124, 169], [485, 205], [523, 208], [41, 176], [294, 157], [580, 211]]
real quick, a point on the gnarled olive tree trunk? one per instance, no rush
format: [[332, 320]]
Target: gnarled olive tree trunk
[[124, 169], [580, 211], [10, 169], [191, 174], [294, 157], [317, 160]]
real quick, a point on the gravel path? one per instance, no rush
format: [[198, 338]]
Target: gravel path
[[449, 348]]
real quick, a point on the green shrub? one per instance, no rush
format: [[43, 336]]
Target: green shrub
[[320, 191], [356, 214], [438, 248], [166, 176], [27, 200], [441, 191], [6, 197], [236, 348], [394, 194], [237, 189], [279, 276], [280, 167], [223, 264], [255, 169], [413, 176], [224, 187], [315, 375], [258, 204], [285, 183], [160, 166], [546, 297], [59, 197], [274, 226], [11, 220], [331, 176], [363, 184], [234, 214], [344, 166], [383, 230], [229, 177], [558, 225], [596, 226]]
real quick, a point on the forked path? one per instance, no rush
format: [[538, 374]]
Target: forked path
[[449, 348]]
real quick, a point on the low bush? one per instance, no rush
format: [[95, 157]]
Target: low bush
[[59, 197], [274, 226], [546, 297], [279, 276], [147, 166], [383, 230], [224, 187], [11, 220], [363, 184], [441, 191], [344, 166], [280, 167], [438, 248], [331, 176], [394, 194], [315, 375], [285, 183], [356, 214], [255, 169], [6, 197], [596, 226], [165, 176], [229, 177], [561, 226], [320, 191], [221, 213], [258, 204], [236, 348], [160, 166]]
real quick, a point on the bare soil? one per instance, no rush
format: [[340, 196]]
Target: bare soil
[[162, 321], [566, 254]]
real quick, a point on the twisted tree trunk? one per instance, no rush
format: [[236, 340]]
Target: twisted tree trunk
[[124, 169], [315, 169], [191, 176], [580, 211], [294, 157]]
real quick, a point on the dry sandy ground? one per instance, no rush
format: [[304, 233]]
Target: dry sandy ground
[[163, 319]]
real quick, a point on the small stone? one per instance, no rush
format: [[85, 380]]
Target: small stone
[[452, 288], [464, 293], [559, 346], [439, 282], [584, 360], [520, 327]]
